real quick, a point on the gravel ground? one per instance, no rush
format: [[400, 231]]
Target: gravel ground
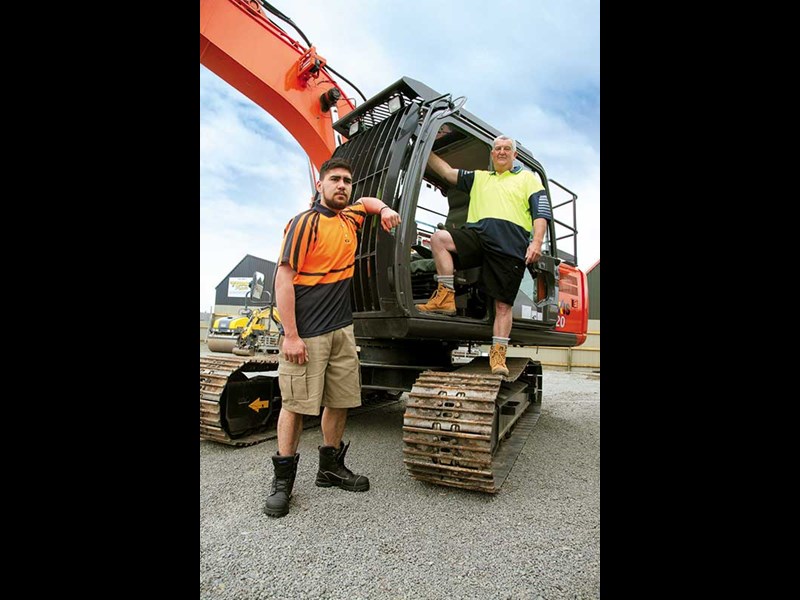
[[539, 537]]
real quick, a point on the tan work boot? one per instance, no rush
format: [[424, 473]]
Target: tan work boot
[[497, 360], [443, 302]]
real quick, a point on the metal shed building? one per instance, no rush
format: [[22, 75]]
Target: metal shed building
[[231, 291]]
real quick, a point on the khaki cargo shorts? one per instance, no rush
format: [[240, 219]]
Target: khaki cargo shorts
[[330, 377]]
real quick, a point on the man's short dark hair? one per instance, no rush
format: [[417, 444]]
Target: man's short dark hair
[[334, 163]]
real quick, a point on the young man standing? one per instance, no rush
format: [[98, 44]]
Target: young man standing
[[318, 363]]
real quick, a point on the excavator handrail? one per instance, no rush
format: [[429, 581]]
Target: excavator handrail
[[572, 228]]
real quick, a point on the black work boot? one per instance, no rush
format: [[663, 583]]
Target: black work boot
[[281, 491], [332, 471]]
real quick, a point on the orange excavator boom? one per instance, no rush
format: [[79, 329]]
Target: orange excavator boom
[[255, 56]]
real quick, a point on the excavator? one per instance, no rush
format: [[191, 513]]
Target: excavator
[[463, 427]]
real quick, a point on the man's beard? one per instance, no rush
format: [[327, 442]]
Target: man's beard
[[338, 202]]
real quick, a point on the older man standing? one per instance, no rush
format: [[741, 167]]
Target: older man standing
[[505, 206]]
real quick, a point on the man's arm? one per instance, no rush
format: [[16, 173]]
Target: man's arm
[[294, 348], [442, 169], [534, 250], [541, 215], [376, 206]]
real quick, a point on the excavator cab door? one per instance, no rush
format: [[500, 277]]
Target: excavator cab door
[[537, 299]]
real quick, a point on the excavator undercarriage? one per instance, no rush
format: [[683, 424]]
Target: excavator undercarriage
[[462, 428], [240, 399]]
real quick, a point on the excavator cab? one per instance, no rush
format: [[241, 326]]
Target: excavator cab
[[389, 140]]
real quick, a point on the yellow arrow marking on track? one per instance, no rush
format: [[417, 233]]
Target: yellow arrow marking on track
[[258, 404]]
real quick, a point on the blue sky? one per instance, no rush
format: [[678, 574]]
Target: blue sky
[[530, 69]]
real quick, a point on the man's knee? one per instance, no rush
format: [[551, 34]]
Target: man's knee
[[501, 308], [441, 238]]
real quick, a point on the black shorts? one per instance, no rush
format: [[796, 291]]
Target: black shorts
[[501, 274]]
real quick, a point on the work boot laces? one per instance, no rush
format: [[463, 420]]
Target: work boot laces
[[279, 485], [439, 298], [497, 356], [439, 291]]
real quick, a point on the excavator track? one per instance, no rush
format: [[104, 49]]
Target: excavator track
[[215, 373], [458, 425]]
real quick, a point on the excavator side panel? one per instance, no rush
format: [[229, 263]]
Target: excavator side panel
[[573, 302]]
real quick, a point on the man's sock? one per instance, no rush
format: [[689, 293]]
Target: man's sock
[[446, 281]]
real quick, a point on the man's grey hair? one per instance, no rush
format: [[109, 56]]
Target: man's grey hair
[[505, 137]]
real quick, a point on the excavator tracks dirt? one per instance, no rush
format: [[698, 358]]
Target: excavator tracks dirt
[[215, 373], [458, 425]]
